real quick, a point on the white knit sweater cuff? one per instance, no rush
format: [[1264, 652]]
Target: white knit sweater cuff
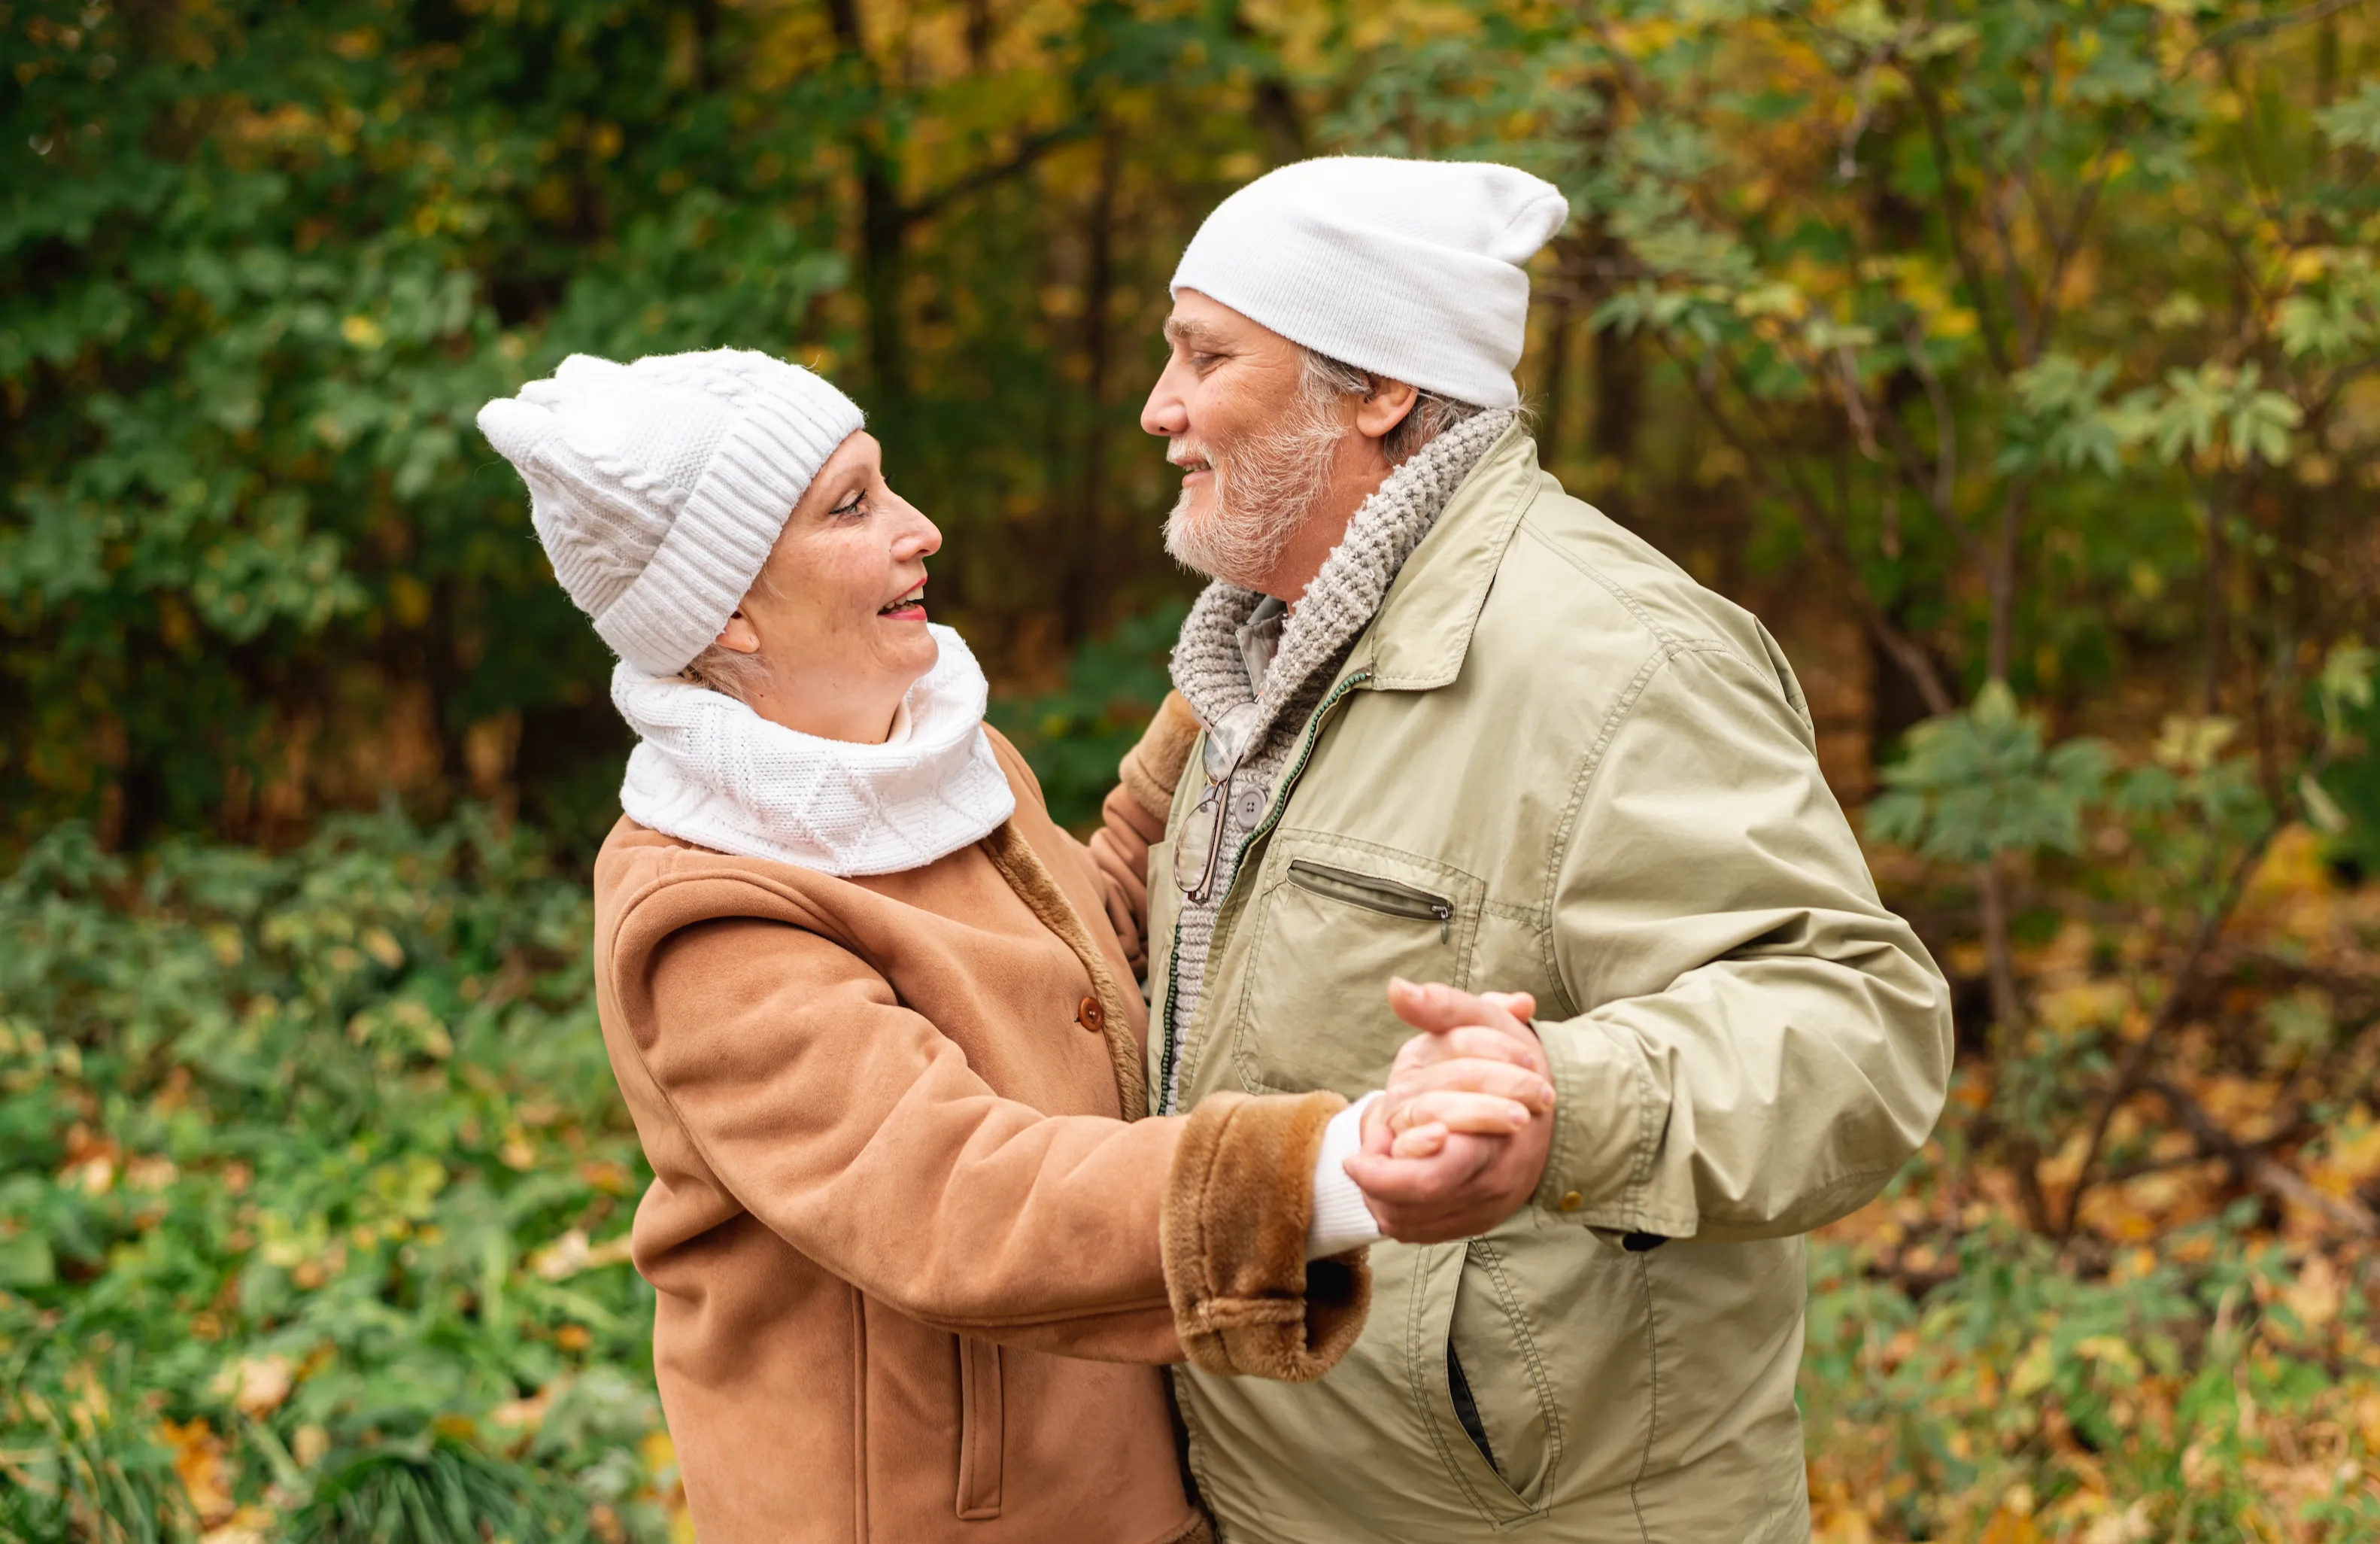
[[1342, 1221]]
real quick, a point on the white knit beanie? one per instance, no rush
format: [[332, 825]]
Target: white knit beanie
[[658, 487], [1408, 269]]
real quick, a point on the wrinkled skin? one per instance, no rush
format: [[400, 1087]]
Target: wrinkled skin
[[825, 616]]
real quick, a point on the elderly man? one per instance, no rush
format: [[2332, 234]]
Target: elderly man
[[1458, 727]]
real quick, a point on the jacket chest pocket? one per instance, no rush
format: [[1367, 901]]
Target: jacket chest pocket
[[1332, 920], [1388, 897]]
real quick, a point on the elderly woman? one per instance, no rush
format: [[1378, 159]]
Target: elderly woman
[[917, 1250]]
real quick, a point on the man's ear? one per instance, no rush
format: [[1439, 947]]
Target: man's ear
[[738, 638], [1384, 408]]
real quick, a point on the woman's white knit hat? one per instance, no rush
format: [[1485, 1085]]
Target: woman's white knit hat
[[657, 488], [1408, 269]]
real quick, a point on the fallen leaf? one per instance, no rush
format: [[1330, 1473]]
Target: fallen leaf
[[522, 1415], [201, 1466], [2315, 1293], [250, 1524], [258, 1384]]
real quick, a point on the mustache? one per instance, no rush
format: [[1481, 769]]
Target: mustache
[[1188, 453]]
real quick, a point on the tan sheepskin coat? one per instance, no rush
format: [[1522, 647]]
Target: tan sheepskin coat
[[918, 1255]]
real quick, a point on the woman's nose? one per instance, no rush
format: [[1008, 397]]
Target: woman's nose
[[919, 539]]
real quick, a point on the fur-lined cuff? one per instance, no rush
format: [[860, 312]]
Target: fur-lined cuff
[[1246, 1299], [1152, 769]]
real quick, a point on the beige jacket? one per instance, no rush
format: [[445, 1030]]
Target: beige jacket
[[916, 1255], [1554, 764]]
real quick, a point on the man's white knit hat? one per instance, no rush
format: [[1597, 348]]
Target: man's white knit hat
[[1408, 269], [658, 487]]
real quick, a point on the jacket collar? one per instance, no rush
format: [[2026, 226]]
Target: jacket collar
[[1418, 639]]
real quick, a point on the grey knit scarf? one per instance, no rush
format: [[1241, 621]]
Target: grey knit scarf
[[1253, 673]]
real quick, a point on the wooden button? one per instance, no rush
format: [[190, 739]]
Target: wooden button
[[1572, 1200], [1090, 1016]]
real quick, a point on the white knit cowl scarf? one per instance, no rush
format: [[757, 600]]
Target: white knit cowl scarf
[[1253, 675], [710, 770]]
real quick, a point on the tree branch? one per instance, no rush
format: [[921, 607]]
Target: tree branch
[[1954, 216], [1822, 531], [2258, 1168], [2264, 26], [1939, 488], [1028, 151], [2131, 1075], [2000, 577], [2024, 314]]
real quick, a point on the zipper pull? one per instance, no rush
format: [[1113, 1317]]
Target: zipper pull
[[1445, 915]]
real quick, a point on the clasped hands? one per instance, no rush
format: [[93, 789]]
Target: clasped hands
[[1458, 1141]]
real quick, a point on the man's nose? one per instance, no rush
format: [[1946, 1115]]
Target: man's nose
[[1163, 413]]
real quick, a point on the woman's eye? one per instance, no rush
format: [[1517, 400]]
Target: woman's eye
[[856, 504]]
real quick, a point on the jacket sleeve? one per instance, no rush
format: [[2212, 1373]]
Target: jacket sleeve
[[1762, 1043], [850, 1127], [1133, 820]]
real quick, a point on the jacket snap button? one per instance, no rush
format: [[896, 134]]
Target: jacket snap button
[[1572, 1200], [1090, 1016]]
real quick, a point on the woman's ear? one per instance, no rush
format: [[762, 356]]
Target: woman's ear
[[737, 637]]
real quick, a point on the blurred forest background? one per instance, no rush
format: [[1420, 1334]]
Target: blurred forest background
[[2019, 361]]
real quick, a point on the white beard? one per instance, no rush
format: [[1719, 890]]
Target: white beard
[[1265, 486]]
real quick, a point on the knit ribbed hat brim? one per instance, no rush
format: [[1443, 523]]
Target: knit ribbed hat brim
[[658, 488], [1409, 269]]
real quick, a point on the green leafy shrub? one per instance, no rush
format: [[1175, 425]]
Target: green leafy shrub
[[1076, 735], [2213, 1385], [310, 1155]]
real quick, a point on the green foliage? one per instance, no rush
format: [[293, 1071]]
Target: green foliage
[[2007, 316], [303, 1155], [260, 264], [1979, 783], [2355, 122], [77, 1469], [1076, 735], [436, 1492], [2187, 810], [2012, 320], [2343, 799], [2152, 1402]]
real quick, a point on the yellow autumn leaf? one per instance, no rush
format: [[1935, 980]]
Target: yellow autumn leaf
[[2347, 1163], [2033, 1370], [2112, 1352], [200, 1463], [2082, 1005], [2314, 1291]]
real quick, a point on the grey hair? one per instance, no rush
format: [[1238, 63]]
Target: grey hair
[[1327, 381], [725, 670]]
